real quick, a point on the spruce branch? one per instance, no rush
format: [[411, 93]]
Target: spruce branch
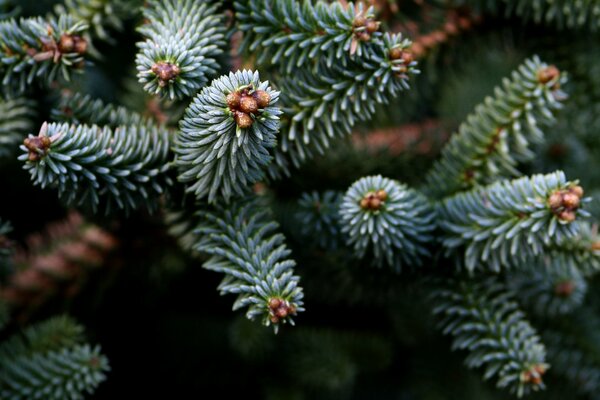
[[243, 245], [499, 134], [511, 220], [293, 33], [50, 335], [184, 40], [390, 220], [319, 220], [100, 15], [224, 139], [77, 108], [36, 49], [581, 252], [549, 286], [321, 107], [57, 375], [126, 167], [15, 123], [485, 320], [562, 13]]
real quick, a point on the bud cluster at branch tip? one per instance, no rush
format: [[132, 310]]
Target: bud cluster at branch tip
[[245, 103], [564, 203], [374, 200], [279, 309]]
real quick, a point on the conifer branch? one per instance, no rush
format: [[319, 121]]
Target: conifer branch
[[484, 319], [243, 245], [36, 49], [77, 108], [184, 40], [56, 375], [293, 33], [125, 168], [15, 123], [499, 133], [511, 220], [549, 286], [319, 108], [50, 335], [225, 136], [389, 220], [319, 220], [100, 15]]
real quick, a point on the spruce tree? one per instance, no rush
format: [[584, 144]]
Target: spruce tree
[[402, 196]]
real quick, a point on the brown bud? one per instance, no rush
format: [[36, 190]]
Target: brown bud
[[596, 246], [262, 98], [66, 43], [359, 21], [548, 74], [555, 200], [577, 190], [275, 303], [567, 216], [80, 44], [396, 53], [407, 57], [382, 195], [375, 203], [570, 200], [165, 72], [564, 289], [281, 312], [274, 319], [36, 144], [364, 203], [248, 105], [243, 120], [364, 36], [233, 100], [372, 26]]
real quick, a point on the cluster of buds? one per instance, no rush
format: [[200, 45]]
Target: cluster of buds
[[549, 74], [165, 72], [564, 288], [38, 145], [405, 56], [364, 27], [564, 203], [534, 374], [245, 104], [66, 44], [279, 309], [373, 200]]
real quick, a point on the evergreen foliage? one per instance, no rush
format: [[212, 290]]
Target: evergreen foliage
[[319, 219], [499, 134], [224, 139], [293, 33], [125, 167], [100, 15], [184, 39], [323, 106], [562, 13], [34, 49], [484, 318], [327, 169], [76, 108], [49, 360], [510, 220], [548, 287], [388, 219], [15, 122], [50, 335], [243, 245], [56, 375]]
